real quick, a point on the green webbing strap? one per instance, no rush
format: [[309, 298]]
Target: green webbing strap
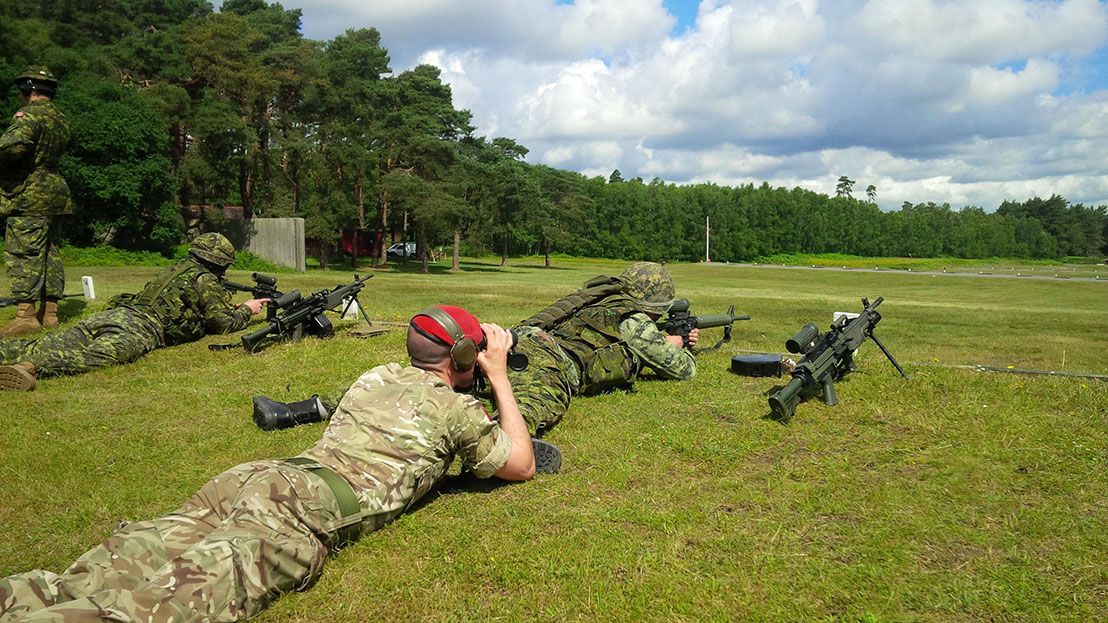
[[344, 495], [154, 289]]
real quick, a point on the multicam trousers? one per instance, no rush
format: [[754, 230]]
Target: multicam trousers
[[250, 534], [111, 337], [31, 255]]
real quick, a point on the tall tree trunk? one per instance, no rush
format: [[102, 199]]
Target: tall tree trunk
[[504, 251], [421, 247], [382, 257], [456, 259], [546, 252]]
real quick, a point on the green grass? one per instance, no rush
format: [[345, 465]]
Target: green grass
[[955, 496]]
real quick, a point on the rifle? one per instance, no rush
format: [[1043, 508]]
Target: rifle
[[265, 286], [680, 322], [291, 315], [827, 358]]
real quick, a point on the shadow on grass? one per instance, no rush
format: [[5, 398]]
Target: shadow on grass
[[71, 308], [439, 268]]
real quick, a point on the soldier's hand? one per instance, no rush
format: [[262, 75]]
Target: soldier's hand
[[494, 359], [255, 305], [676, 340], [694, 336]]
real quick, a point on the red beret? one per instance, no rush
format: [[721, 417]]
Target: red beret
[[468, 323]]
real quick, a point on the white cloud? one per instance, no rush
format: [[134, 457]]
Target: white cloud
[[929, 100]]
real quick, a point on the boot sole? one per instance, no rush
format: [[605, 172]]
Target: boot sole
[[548, 458], [16, 379]]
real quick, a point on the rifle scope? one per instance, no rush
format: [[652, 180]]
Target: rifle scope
[[804, 339], [679, 306], [263, 279], [288, 299]]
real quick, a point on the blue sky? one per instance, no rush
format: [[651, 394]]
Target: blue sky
[[967, 103]]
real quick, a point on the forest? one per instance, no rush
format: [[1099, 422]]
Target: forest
[[178, 110]]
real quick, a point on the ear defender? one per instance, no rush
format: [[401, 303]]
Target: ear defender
[[463, 353]]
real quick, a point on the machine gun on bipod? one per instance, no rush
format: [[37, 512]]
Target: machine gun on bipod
[[827, 358], [292, 315]]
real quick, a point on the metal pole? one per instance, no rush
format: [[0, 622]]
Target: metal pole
[[707, 235]]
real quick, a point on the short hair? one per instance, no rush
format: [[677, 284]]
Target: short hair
[[425, 353]]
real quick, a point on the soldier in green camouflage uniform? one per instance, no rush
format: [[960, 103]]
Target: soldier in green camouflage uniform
[[182, 304], [32, 194], [264, 528], [603, 346]]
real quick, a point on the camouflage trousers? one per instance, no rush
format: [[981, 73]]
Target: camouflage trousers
[[249, 535], [31, 255], [544, 389], [111, 337]]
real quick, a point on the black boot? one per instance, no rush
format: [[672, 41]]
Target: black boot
[[548, 458], [271, 415]]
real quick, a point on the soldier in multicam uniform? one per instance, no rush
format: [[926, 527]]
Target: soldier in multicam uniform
[[32, 194], [604, 345], [264, 528], [182, 304]]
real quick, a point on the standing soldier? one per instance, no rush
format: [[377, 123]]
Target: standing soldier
[[32, 193]]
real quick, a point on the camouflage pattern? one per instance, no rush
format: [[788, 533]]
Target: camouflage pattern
[[181, 304], [543, 390], [383, 442], [30, 152], [250, 534], [649, 285], [31, 192], [265, 528], [649, 345], [213, 248], [32, 258]]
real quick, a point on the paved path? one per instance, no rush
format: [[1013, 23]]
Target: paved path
[[997, 274]]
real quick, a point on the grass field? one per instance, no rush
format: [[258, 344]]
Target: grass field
[[954, 496]]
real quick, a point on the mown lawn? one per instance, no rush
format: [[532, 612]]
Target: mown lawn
[[954, 496]]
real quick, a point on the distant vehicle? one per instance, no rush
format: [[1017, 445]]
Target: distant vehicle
[[401, 250]]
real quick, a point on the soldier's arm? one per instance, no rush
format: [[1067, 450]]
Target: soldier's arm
[[18, 141], [214, 301], [659, 354]]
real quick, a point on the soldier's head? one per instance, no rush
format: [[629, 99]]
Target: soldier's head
[[214, 251], [36, 79], [445, 339], [649, 285]]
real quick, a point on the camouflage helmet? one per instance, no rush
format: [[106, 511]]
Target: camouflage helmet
[[214, 249], [37, 78], [649, 285]]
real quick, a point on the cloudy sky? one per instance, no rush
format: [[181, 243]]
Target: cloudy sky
[[962, 101]]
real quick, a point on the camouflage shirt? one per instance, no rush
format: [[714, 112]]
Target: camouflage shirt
[[30, 152], [649, 343], [395, 433], [188, 301]]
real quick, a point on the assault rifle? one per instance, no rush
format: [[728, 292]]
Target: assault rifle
[[827, 358], [679, 321], [265, 286], [291, 315]]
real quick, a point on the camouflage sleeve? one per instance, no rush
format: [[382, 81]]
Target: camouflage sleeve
[[215, 306], [482, 446], [645, 339], [18, 140]]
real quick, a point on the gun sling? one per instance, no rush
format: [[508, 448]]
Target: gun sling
[[344, 495]]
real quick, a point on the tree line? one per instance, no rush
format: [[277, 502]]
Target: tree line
[[175, 105]]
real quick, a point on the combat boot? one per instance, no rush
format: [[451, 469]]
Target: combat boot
[[548, 458], [25, 322], [48, 313], [18, 377], [271, 415]]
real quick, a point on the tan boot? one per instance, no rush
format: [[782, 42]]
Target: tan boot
[[18, 377], [48, 313], [26, 321]]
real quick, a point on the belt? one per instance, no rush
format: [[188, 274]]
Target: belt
[[344, 495]]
